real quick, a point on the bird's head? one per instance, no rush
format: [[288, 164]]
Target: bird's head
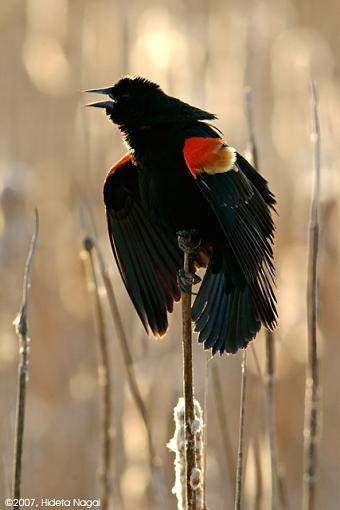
[[135, 102]]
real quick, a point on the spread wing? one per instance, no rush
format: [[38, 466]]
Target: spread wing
[[241, 200], [147, 258]]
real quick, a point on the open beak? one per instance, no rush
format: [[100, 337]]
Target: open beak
[[101, 104], [106, 91]]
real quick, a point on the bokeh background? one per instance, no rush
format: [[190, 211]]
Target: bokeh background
[[54, 155]]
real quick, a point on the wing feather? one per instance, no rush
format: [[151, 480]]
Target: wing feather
[[249, 229], [242, 202], [147, 258]]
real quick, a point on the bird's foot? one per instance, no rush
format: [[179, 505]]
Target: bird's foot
[[189, 241], [186, 279]]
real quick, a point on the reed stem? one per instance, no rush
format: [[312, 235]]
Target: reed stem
[[21, 328]]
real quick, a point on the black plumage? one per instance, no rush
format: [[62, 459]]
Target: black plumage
[[157, 190]]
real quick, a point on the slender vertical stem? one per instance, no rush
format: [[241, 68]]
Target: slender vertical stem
[[188, 389], [269, 336], [104, 377], [188, 242], [270, 397], [240, 451], [155, 467], [312, 376], [21, 328], [258, 499]]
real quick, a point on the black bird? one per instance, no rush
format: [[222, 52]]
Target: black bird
[[179, 174]]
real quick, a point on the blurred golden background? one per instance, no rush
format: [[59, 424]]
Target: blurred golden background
[[54, 156]]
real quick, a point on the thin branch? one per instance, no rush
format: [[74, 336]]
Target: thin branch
[[280, 483], [21, 328], [312, 376], [188, 387], [240, 450], [104, 379], [270, 375], [256, 446], [270, 408], [155, 468]]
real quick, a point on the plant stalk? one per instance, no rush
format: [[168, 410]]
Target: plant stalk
[[269, 339], [188, 389], [240, 451], [21, 328], [155, 465], [104, 379], [312, 372]]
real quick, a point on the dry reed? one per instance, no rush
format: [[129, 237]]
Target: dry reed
[[155, 467], [184, 241], [312, 372], [104, 380], [21, 328], [240, 450], [270, 375]]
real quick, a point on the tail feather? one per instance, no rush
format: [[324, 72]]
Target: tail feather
[[225, 321]]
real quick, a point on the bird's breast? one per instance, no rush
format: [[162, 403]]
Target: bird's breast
[[171, 196]]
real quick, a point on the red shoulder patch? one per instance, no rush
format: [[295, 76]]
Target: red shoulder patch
[[124, 159], [210, 155]]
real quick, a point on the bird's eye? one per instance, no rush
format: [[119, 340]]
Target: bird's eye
[[124, 96]]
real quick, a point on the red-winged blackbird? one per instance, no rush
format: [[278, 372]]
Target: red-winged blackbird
[[179, 174]]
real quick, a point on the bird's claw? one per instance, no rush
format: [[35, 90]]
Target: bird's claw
[[189, 241], [186, 280]]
